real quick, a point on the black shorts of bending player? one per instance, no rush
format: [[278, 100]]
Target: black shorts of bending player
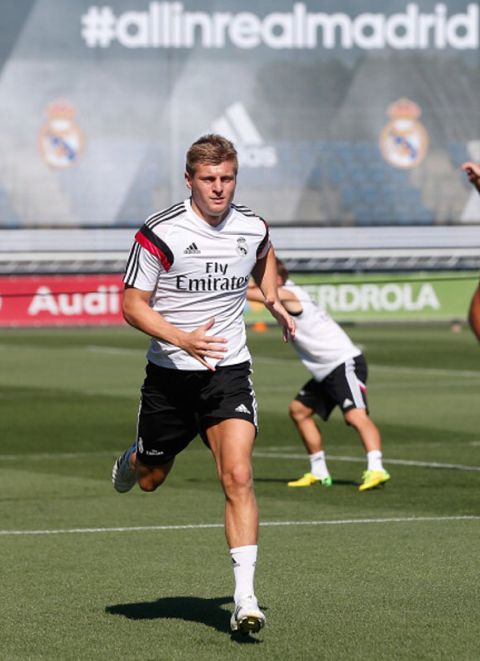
[[344, 387], [176, 405]]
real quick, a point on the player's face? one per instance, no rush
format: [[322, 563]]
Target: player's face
[[213, 187]]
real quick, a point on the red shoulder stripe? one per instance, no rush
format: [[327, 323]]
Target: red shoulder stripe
[[158, 249]]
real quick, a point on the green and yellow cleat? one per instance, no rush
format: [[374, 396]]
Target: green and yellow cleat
[[309, 480], [372, 479]]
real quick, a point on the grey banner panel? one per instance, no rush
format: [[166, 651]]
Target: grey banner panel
[[343, 113]]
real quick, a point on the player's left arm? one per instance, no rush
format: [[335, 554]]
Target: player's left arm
[[265, 276]]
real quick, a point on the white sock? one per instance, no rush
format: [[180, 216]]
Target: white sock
[[318, 465], [244, 559], [374, 458]]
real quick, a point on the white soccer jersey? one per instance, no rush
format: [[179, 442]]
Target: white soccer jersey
[[319, 341], [197, 272]]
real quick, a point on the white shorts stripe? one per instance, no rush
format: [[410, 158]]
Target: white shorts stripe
[[254, 399], [354, 384]]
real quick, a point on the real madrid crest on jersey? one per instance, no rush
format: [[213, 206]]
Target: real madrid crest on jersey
[[242, 248], [404, 140], [61, 139]]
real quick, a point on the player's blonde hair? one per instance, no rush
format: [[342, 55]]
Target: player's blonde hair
[[212, 149]]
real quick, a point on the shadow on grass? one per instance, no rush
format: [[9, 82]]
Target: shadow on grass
[[190, 609], [342, 483], [276, 480]]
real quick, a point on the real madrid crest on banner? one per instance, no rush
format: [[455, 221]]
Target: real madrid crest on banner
[[61, 139], [404, 140]]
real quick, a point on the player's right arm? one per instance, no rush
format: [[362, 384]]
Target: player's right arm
[[138, 313], [149, 257]]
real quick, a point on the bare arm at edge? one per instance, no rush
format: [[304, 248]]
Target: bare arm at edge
[[473, 173], [474, 313]]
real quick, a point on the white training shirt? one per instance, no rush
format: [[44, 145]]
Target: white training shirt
[[197, 272], [319, 341]]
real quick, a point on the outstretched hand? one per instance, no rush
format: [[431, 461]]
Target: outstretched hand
[[202, 346], [473, 173], [277, 310]]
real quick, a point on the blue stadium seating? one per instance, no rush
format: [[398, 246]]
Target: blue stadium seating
[[370, 190]]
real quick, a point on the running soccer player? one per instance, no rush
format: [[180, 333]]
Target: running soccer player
[[185, 286], [339, 374]]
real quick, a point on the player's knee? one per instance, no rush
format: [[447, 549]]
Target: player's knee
[[298, 411], [147, 484], [357, 418], [237, 479], [151, 481], [151, 477]]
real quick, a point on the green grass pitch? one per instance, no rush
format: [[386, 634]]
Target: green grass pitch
[[91, 574]]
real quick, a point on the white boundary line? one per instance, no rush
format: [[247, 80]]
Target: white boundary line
[[401, 462], [429, 371], [270, 454], [40, 456], [208, 526]]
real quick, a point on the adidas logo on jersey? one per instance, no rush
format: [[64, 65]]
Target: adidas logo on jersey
[[237, 125], [346, 402], [242, 409], [192, 249]]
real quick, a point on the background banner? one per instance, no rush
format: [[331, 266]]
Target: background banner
[[386, 297], [343, 112], [91, 300], [60, 300]]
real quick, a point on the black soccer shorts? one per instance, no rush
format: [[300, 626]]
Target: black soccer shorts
[[345, 387], [176, 405]]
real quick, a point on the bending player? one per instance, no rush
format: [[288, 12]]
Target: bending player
[[339, 373]]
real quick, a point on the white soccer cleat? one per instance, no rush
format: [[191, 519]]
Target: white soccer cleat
[[123, 477], [247, 616]]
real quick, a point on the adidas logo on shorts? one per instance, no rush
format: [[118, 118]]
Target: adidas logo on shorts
[[192, 249], [242, 409]]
